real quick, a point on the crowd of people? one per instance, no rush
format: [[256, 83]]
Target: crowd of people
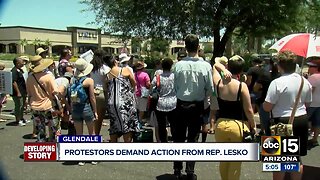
[[67, 94]]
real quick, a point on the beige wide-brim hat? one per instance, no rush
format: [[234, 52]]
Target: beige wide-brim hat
[[40, 50], [44, 64], [83, 68], [123, 57], [24, 58], [35, 58]]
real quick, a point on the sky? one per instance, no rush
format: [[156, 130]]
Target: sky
[[52, 14]]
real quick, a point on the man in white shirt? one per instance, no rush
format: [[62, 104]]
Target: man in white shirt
[[192, 81]]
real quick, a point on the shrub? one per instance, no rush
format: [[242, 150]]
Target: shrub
[[8, 57]]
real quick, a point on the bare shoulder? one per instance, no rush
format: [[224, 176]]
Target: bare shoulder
[[126, 71], [244, 88], [88, 82]]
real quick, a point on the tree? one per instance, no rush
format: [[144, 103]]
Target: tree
[[207, 18], [36, 43], [23, 43], [136, 44], [207, 47], [160, 45], [48, 43]]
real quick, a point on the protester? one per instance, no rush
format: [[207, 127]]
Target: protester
[[252, 76], [41, 52], [314, 109], [121, 102], [41, 88], [19, 91], [165, 109], [64, 64], [124, 61], [26, 67], [261, 87], [267, 74], [192, 81], [63, 84], [3, 97], [232, 95], [253, 72], [143, 84], [99, 75], [83, 99], [151, 105], [281, 97]]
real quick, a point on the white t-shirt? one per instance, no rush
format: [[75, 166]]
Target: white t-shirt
[[25, 73], [282, 93], [314, 80], [98, 76]]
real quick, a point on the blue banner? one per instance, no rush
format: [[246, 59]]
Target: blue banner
[[80, 139]]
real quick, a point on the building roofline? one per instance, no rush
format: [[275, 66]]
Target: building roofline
[[59, 30], [47, 29], [82, 28], [37, 28]]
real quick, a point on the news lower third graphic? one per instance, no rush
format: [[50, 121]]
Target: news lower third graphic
[[40, 152], [281, 167], [280, 153], [91, 148]]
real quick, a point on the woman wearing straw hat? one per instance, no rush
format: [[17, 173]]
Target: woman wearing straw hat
[[41, 88], [86, 111], [143, 82], [84, 101], [121, 102]]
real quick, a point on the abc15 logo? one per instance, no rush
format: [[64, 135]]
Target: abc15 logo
[[278, 145]]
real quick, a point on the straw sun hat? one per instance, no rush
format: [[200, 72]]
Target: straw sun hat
[[83, 68], [40, 50], [140, 64], [44, 64]]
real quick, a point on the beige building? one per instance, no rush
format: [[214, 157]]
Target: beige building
[[25, 40]]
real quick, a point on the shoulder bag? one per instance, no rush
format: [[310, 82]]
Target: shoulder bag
[[281, 129]]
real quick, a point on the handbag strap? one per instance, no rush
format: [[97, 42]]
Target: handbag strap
[[296, 102], [44, 90]]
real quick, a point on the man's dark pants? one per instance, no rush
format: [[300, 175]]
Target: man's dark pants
[[187, 125]]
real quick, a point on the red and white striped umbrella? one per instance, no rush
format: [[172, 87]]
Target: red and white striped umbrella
[[303, 44]]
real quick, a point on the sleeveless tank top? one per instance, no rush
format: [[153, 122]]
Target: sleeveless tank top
[[231, 109]]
